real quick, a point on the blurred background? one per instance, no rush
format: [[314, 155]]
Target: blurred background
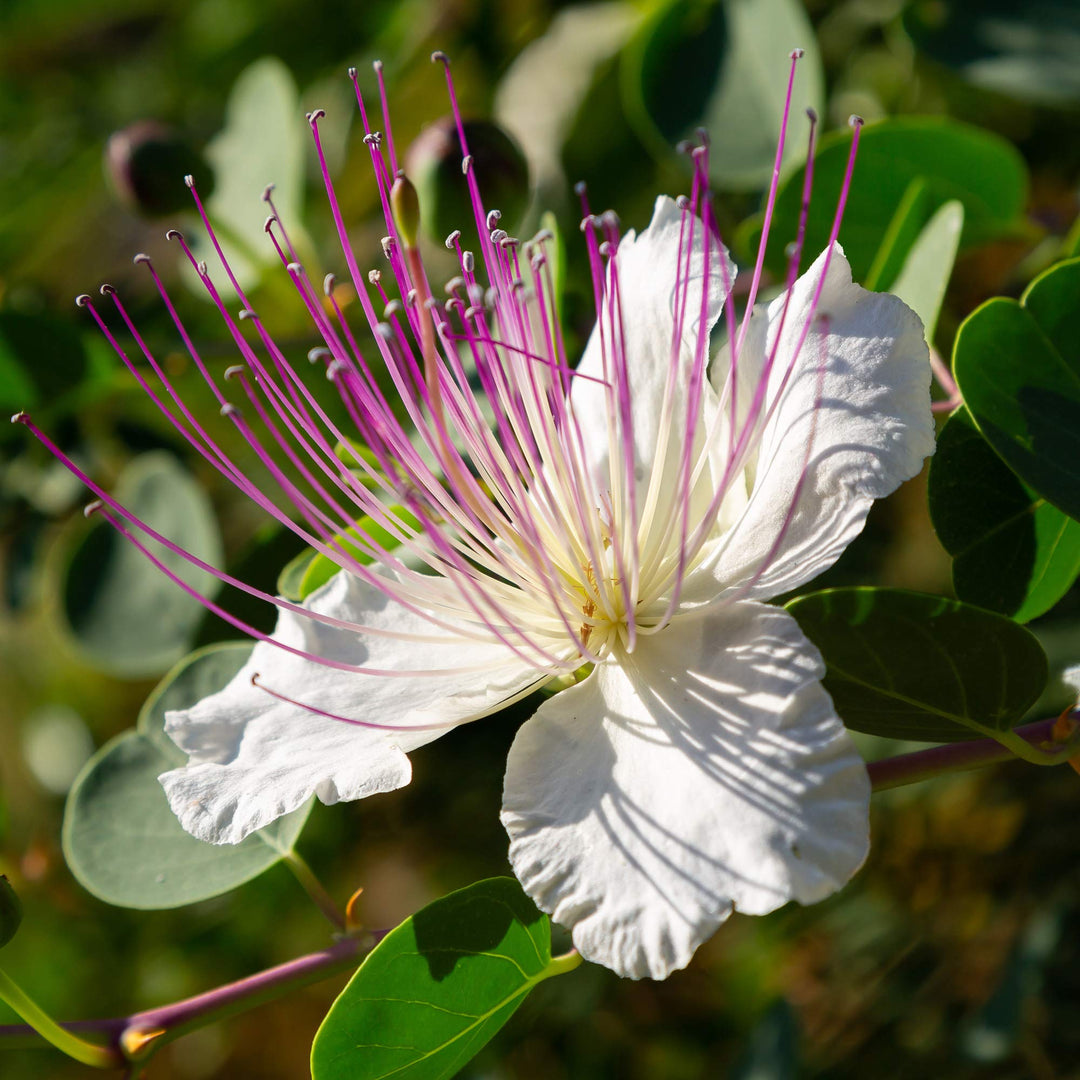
[[956, 951]]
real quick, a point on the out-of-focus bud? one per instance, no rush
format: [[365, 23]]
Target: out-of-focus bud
[[146, 164], [435, 163], [405, 206], [10, 911]]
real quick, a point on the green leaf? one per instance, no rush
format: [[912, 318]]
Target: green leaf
[[122, 841], [11, 911], [1012, 551], [127, 617], [773, 1053], [311, 570], [729, 59], [262, 143], [438, 987], [955, 161], [926, 271], [1018, 368], [906, 665], [1027, 51]]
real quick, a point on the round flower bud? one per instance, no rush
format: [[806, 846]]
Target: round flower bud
[[434, 162], [147, 163]]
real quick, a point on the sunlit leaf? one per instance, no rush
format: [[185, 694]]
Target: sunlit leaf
[[261, 143], [926, 271], [1012, 551], [123, 842], [905, 665], [127, 617], [438, 987], [1025, 50], [724, 64], [1018, 367], [954, 161]]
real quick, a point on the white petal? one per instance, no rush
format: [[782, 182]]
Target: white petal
[[648, 267], [253, 757], [859, 398], [1071, 678], [706, 773]]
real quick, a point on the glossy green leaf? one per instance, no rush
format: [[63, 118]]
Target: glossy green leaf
[[1018, 367], [1025, 50], [729, 59], [926, 271], [907, 665], [127, 617], [954, 160], [310, 570], [438, 987], [1012, 551], [123, 842], [263, 142]]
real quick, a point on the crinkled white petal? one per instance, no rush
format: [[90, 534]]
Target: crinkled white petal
[[858, 395], [704, 773], [253, 758], [648, 269]]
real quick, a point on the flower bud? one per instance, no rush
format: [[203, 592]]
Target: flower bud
[[435, 164], [10, 911], [146, 164], [405, 206]]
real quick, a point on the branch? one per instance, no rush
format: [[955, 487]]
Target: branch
[[953, 757], [137, 1035]]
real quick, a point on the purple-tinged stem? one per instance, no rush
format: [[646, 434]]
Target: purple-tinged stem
[[952, 757], [154, 1027]]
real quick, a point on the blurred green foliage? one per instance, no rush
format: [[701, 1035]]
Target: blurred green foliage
[[957, 950]]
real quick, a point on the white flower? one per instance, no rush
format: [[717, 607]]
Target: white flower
[[631, 516]]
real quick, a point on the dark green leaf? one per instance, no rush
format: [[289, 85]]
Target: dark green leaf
[[1018, 367], [123, 842], [955, 161], [1012, 551], [1025, 50], [906, 665], [729, 59], [925, 274], [10, 911], [128, 618], [438, 987]]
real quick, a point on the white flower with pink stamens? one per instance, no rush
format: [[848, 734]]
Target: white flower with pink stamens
[[619, 524]]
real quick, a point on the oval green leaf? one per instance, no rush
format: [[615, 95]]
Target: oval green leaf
[[1012, 551], [1018, 368], [953, 160], [438, 987], [122, 841], [925, 274], [262, 142], [730, 61], [127, 617], [1027, 51], [906, 665]]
